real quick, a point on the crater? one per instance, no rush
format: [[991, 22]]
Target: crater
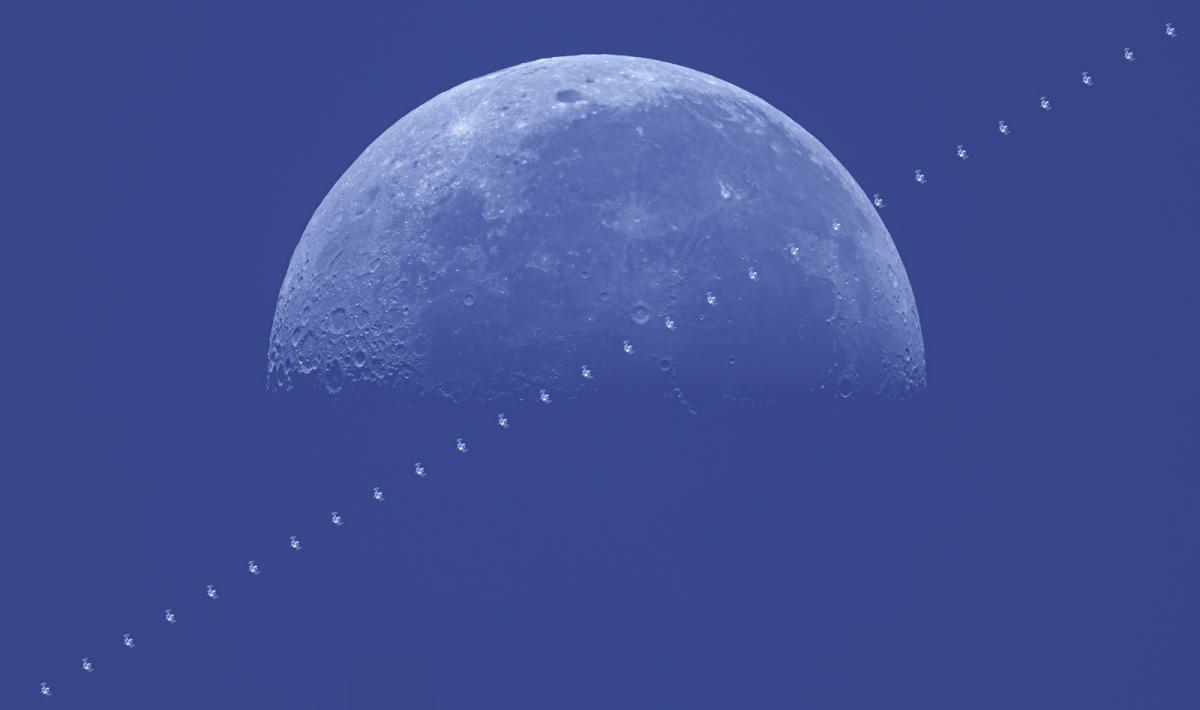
[[568, 96], [640, 313]]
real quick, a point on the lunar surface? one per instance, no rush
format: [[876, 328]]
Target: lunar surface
[[597, 222]]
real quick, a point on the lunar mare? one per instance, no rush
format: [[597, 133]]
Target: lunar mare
[[526, 225]]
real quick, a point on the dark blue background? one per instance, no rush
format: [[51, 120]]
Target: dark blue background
[[1025, 535]]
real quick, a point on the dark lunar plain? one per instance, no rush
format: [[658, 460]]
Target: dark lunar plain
[[1023, 534]]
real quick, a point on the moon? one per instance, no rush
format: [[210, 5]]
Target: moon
[[597, 222]]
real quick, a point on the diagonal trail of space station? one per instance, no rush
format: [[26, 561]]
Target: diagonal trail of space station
[[1003, 127], [418, 472]]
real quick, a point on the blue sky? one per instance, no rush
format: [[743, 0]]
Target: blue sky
[[1023, 535]]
